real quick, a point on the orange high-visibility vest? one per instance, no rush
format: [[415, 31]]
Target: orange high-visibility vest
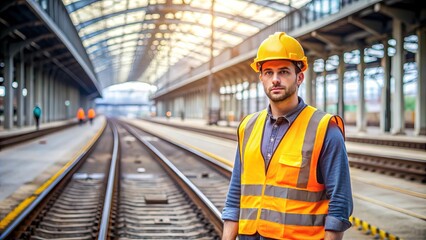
[[91, 113], [284, 201], [80, 114]]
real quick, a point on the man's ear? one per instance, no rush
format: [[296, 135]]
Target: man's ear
[[260, 76], [300, 78]]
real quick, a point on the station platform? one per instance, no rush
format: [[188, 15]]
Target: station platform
[[351, 131], [16, 131], [27, 167]]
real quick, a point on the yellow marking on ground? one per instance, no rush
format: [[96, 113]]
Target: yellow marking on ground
[[24, 204], [396, 189], [220, 159], [15, 213], [386, 205], [373, 230]]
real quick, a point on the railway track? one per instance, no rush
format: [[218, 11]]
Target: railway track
[[152, 199]]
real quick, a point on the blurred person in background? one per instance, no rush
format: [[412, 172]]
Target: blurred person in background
[[37, 115], [81, 116], [91, 115]]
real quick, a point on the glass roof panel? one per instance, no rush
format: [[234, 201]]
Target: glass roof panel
[[141, 39]]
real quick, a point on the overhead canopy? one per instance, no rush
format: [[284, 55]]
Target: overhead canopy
[[137, 40]]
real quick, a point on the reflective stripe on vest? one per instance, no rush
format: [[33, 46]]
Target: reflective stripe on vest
[[285, 201]]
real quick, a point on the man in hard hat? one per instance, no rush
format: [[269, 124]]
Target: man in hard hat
[[291, 172]]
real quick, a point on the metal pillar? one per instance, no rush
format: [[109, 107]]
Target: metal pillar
[[19, 96], [314, 88], [361, 116], [29, 99], [45, 97], [398, 120], [8, 95], [257, 96], [340, 86], [51, 96], [420, 120], [309, 74], [385, 112], [324, 73]]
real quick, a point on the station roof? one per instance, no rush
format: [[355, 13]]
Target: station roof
[[138, 40]]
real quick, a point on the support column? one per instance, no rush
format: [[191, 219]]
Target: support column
[[420, 120], [29, 99], [309, 74], [324, 74], [19, 97], [46, 81], [314, 88], [52, 96], [385, 112], [257, 96], [361, 116], [398, 120], [8, 95], [341, 86]]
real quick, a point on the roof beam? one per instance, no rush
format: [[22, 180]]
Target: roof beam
[[316, 48], [277, 6], [167, 21], [371, 26], [160, 8], [331, 40], [9, 30], [405, 16], [77, 5]]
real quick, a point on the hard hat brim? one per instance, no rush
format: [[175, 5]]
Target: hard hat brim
[[254, 64]]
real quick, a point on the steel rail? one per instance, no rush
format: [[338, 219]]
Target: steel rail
[[222, 168], [112, 183], [193, 192]]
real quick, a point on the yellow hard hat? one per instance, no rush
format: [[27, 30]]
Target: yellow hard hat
[[280, 46]]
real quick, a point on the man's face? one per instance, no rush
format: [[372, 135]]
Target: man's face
[[280, 80]]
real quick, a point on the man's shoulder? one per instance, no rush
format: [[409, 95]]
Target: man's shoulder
[[253, 116]]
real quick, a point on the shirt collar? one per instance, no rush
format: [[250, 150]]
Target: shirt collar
[[292, 115]]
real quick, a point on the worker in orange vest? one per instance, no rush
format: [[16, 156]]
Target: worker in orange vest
[[80, 116], [290, 178], [91, 115]]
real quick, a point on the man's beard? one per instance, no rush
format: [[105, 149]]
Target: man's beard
[[281, 97]]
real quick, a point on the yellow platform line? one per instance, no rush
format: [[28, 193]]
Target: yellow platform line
[[373, 230], [24, 204], [220, 159], [396, 189], [386, 205]]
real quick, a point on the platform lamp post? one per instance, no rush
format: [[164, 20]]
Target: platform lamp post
[[67, 108]]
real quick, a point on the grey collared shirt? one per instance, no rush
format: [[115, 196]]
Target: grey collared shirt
[[276, 128]]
